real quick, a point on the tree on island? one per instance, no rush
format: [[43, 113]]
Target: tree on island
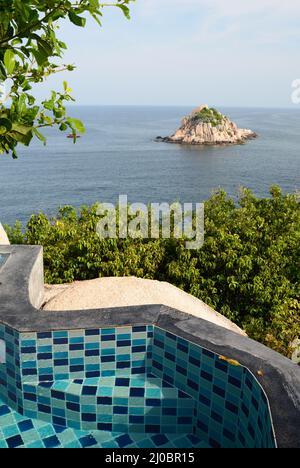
[[30, 51]]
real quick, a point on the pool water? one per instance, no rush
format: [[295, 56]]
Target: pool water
[[3, 259], [126, 387]]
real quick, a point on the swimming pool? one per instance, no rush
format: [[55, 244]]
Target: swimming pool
[[141, 382], [140, 376], [3, 259]]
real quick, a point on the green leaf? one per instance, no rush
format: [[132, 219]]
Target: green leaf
[[77, 20], [9, 61], [39, 135], [6, 123], [21, 106], [78, 125], [39, 56], [22, 133]]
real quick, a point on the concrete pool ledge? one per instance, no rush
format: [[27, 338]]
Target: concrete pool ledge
[[21, 296]]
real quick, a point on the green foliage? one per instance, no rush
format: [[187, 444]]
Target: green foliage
[[248, 268], [212, 116], [30, 51]]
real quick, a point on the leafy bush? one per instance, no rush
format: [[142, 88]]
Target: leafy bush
[[248, 268]]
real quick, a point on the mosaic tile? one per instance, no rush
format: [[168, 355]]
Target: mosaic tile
[[144, 382]]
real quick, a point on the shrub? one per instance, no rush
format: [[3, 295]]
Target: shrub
[[248, 268]]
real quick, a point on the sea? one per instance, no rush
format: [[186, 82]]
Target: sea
[[118, 155]]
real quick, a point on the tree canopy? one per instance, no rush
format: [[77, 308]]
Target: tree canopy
[[248, 268], [31, 51]]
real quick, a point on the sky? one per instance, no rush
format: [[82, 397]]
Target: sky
[[235, 53]]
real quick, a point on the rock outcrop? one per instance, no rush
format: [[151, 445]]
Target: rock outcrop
[[104, 293], [206, 126]]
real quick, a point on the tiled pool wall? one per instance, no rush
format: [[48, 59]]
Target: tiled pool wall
[[122, 379]]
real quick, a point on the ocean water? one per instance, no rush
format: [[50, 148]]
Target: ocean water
[[118, 155]]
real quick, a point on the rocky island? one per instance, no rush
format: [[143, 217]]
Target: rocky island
[[207, 126]]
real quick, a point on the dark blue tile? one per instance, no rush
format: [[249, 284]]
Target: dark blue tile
[[46, 384], [60, 341], [108, 337], [51, 442], [160, 439], [89, 390], [231, 407], [61, 362], [104, 427], [206, 376], [221, 366], [91, 374], [58, 395], [26, 350], [76, 368], [137, 392], [170, 357], [184, 420], [194, 361], [104, 401], [214, 443], [158, 343], [108, 358], [4, 410], [139, 329], [153, 402], [182, 347], [217, 417], [123, 365], [136, 420], [87, 441], [123, 343], [15, 441], [92, 352], [202, 426], [122, 382], [76, 347], [94, 332], [120, 410], [139, 370], [171, 336], [59, 421], [89, 417], [219, 391], [193, 384], [25, 425], [251, 431], [169, 411], [30, 396], [204, 400], [124, 440], [233, 381], [152, 429], [181, 370], [138, 349], [29, 372], [229, 435], [44, 409], [73, 406], [44, 335], [44, 356]]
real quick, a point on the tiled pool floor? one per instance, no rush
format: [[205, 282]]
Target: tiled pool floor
[[135, 404], [17, 431]]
